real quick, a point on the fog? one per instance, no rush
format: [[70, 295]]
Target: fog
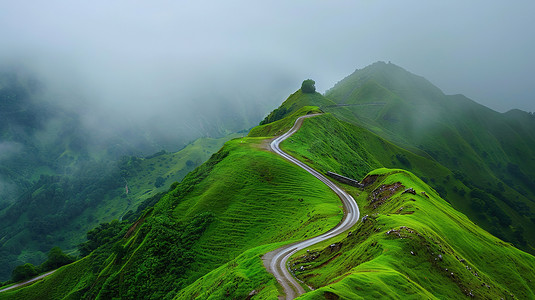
[[7, 150], [134, 63]]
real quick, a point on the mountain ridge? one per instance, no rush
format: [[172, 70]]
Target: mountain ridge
[[490, 151]]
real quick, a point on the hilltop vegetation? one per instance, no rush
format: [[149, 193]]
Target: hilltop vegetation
[[295, 102]]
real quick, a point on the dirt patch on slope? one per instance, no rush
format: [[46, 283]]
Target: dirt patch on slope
[[383, 193]]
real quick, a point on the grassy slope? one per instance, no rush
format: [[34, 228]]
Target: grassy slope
[[252, 190], [376, 259], [255, 198], [170, 166], [65, 283], [353, 151], [348, 145], [295, 102], [489, 151], [243, 276], [142, 174], [338, 145]]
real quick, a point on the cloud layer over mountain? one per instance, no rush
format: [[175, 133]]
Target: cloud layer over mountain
[[145, 59]]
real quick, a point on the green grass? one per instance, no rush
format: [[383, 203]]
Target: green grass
[[172, 167], [243, 276], [371, 263], [280, 127], [257, 198], [327, 144], [295, 102], [254, 198], [487, 150]]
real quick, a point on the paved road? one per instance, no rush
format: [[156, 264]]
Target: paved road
[[27, 282], [355, 104], [276, 261]]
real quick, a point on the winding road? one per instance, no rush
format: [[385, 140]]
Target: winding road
[[27, 281], [276, 260]]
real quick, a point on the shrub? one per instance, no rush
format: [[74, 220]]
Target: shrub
[[56, 259], [23, 272], [160, 181], [308, 86]]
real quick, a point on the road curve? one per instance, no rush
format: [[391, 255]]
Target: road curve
[[276, 260]]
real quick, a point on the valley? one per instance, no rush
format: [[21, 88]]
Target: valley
[[61, 177]]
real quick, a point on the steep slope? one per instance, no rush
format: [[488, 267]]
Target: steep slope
[[61, 175], [58, 211], [295, 102], [492, 153], [411, 243], [370, 263], [242, 198]]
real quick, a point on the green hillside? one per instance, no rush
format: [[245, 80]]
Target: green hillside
[[61, 176], [242, 198], [205, 237], [414, 246], [491, 153], [295, 102], [370, 263], [42, 218], [409, 246]]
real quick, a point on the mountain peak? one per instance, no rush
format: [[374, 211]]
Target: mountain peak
[[392, 77]]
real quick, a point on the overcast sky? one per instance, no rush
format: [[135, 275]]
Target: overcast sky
[[141, 54]]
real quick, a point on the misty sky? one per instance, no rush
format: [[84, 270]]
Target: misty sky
[[140, 57]]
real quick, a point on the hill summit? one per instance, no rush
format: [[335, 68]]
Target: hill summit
[[298, 100], [387, 76]]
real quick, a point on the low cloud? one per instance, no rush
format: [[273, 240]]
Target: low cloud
[[124, 64], [8, 149]]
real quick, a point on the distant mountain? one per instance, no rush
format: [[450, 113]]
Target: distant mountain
[[205, 237]]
